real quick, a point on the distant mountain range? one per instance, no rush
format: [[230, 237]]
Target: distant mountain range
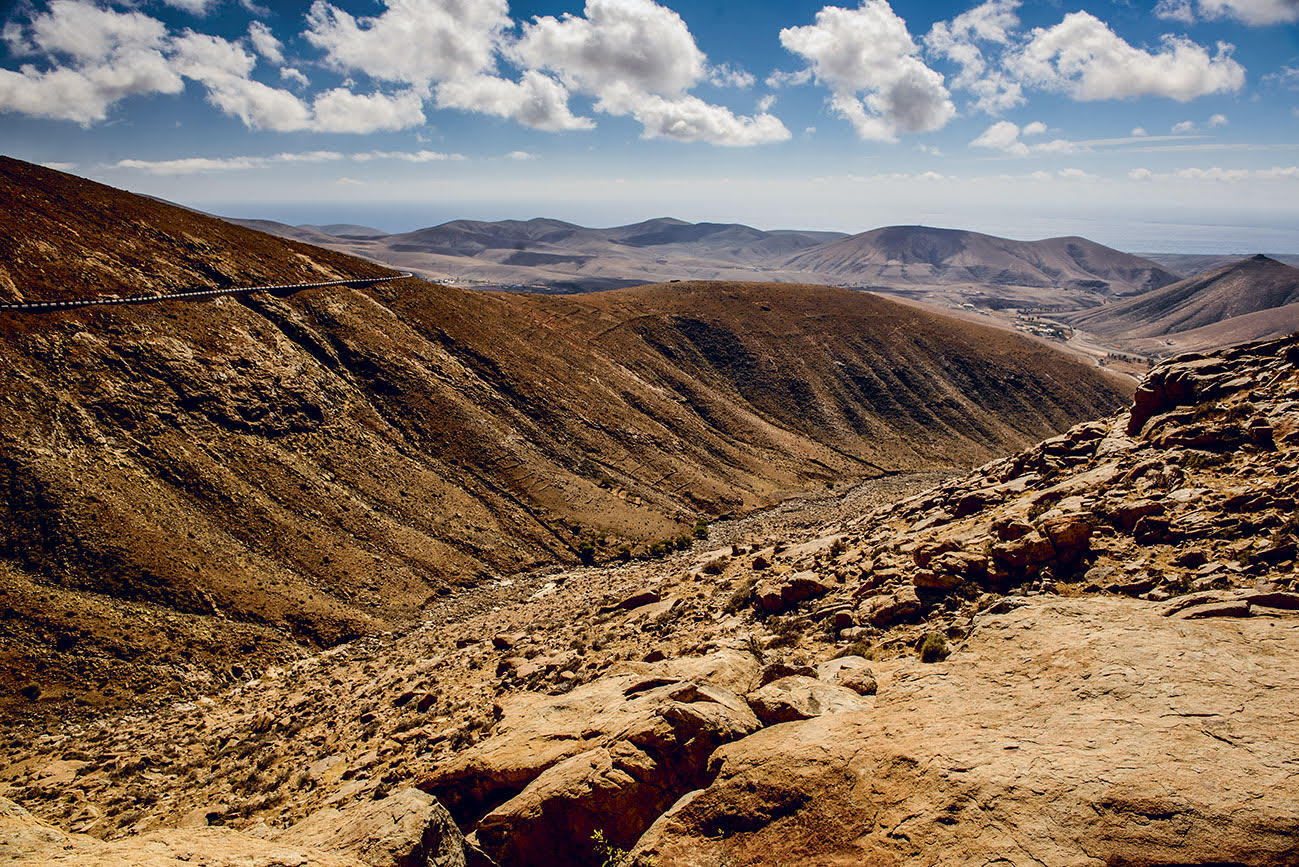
[[552, 255]]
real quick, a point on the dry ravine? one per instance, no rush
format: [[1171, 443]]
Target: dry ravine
[[1078, 655]]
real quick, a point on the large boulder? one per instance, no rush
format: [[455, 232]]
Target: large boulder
[[798, 697], [1073, 732], [405, 829], [608, 756]]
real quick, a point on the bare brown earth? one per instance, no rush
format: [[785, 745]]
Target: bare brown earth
[[1077, 655], [193, 490], [1246, 287]]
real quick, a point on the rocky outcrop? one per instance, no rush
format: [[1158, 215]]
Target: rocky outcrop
[[408, 829], [1116, 736], [609, 756]]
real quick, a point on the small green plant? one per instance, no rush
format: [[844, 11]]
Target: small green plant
[[933, 648], [586, 553], [859, 648], [658, 549], [624, 553], [700, 530], [606, 853]]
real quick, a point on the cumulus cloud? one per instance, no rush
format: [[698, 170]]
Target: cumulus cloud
[[1083, 57], [520, 156], [415, 42], [341, 110], [868, 51], [1005, 136], [1184, 127], [635, 44], [1218, 120], [99, 56], [294, 76], [1139, 132], [535, 100], [639, 59], [690, 119], [992, 24], [265, 43]]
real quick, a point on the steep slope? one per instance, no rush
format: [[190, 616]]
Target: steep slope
[[1249, 286], [223, 480], [920, 254], [1080, 654]]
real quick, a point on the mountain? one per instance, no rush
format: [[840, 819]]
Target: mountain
[[1081, 653], [919, 254], [1249, 286], [345, 230], [1194, 264], [195, 486]]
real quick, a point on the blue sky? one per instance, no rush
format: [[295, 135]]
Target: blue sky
[[1151, 126]]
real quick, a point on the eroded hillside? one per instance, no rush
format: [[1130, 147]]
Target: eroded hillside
[[1078, 654], [193, 489]]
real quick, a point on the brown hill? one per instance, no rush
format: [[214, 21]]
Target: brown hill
[[226, 479], [1245, 287], [920, 254], [1081, 654]]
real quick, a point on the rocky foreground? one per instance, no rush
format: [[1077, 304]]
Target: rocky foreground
[[1078, 655]]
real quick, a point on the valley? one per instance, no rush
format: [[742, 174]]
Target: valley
[[374, 570]]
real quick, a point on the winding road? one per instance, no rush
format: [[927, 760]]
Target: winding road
[[45, 306]]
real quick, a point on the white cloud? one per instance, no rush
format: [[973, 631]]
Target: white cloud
[[408, 156], [958, 40], [1002, 136], [1218, 174], [60, 167], [766, 102], [690, 119], [110, 55], [727, 75], [195, 7], [869, 51], [1258, 13], [1005, 136], [1075, 175], [639, 59], [1184, 127], [265, 43], [1218, 120], [634, 44], [1286, 76], [416, 42], [535, 100], [341, 110], [294, 76], [1175, 10], [1139, 132], [1085, 58], [780, 78], [204, 165], [521, 156]]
